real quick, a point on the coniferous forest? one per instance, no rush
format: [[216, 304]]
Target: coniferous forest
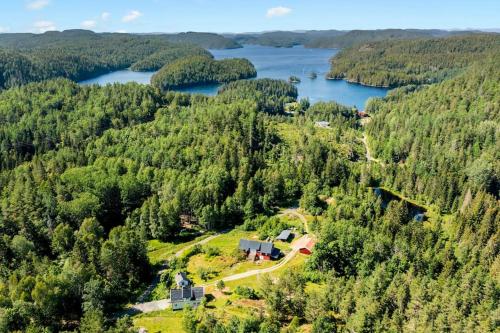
[[89, 175], [82, 54]]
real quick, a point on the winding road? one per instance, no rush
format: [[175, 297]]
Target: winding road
[[145, 307], [368, 155]]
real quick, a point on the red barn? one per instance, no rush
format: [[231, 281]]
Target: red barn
[[362, 114], [307, 249]]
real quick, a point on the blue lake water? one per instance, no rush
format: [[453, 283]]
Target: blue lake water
[[276, 63]]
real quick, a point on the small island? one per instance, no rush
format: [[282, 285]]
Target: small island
[[294, 79], [199, 70]]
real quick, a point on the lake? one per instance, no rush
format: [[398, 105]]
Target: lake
[[276, 63]]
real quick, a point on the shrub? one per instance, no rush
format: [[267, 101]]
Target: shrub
[[211, 251], [246, 292]]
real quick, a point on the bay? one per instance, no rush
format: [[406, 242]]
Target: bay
[[275, 63]]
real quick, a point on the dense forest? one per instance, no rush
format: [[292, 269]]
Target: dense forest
[[81, 54], [420, 61], [90, 174], [162, 58], [196, 70], [455, 147], [100, 187]]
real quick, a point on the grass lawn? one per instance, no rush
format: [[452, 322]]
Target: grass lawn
[[159, 251], [253, 281], [227, 262], [165, 321]]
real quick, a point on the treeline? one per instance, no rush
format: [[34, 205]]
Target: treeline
[[418, 61], [165, 57], [79, 55], [29, 40], [202, 70], [441, 141], [205, 40], [336, 38], [38, 118], [364, 36], [270, 95]]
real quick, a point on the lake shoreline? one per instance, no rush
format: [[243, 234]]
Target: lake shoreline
[[274, 63]]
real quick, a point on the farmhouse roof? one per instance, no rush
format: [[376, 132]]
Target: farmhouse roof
[[188, 293], [250, 245], [284, 235]]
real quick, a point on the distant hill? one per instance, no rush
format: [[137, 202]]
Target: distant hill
[[335, 38], [29, 40], [203, 39], [82, 54], [392, 63]]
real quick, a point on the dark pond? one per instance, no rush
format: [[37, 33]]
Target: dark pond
[[416, 211]]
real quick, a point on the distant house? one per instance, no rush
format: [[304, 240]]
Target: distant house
[[256, 250], [362, 114], [307, 248], [284, 235], [322, 124], [185, 295]]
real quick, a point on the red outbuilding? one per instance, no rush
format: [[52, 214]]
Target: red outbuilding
[[308, 248]]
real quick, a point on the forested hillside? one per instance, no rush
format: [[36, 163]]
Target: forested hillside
[[108, 168], [354, 37], [203, 39], [336, 38], [419, 61], [164, 57], [80, 54], [202, 70], [442, 141]]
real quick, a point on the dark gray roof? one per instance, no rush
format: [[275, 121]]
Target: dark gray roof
[[198, 293], [266, 247], [284, 235], [176, 295], [243, 244], [188, 293], [263, 247]]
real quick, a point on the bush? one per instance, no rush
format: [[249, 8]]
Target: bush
[[211, 251], [246, 292], [192, 251]]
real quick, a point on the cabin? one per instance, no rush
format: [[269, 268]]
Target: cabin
[[363, 114], [185, 294], [284, 235], [307, 248], [256, 250]]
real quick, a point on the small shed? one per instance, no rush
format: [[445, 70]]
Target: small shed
[[284, 235], [308, 247], [181, 280], [322, 124]]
